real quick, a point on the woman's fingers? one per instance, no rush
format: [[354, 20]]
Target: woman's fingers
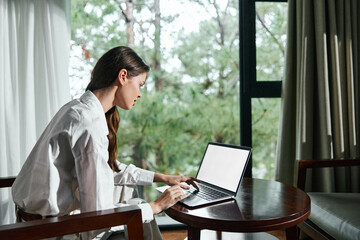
[[173, 194], [177, 180], [168, 198], [184, 186], [175, 191], [192, 181]]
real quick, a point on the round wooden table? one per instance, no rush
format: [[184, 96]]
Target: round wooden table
[[260, 206]]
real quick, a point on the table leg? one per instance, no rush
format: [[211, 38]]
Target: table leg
[[218, 234], [193, 233], [292, 233]]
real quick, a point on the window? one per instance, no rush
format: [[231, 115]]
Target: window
[[262, 44]]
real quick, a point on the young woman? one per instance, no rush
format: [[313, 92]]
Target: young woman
[[73, 165]]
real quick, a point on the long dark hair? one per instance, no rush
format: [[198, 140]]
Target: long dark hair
[[103, 75]]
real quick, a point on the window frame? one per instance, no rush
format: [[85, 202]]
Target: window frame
[[249, 86]]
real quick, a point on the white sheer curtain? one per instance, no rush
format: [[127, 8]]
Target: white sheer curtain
[[34, 58]]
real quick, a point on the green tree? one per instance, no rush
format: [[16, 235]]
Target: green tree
[[270, 40], [160, 134]]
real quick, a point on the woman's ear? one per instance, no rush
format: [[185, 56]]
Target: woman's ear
[[122, 77]]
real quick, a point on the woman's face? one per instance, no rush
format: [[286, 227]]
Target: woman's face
[[129, 91]]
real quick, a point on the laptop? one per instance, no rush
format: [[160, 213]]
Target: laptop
[[220, 172]]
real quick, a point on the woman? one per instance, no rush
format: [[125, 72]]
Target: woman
[[73, 165]]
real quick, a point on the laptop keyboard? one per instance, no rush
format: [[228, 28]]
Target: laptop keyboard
[[207, 193]]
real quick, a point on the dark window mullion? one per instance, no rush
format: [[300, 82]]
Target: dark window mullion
[[247, 71], [270, 89]]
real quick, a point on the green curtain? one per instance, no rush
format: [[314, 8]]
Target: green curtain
[[320, 98]]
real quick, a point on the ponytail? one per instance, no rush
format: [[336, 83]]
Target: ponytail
[[112, 119]]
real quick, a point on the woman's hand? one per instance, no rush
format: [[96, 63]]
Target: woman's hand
[[167, 199], [176, 180], [173, 194]]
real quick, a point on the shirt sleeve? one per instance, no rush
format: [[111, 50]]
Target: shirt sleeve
[[93, 174], [146, 210], [94, 189], [95, 182], [96, 179], [132, 175]]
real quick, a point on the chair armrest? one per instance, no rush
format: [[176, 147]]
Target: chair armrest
[[59, 226], [6, 181], [303, 165]]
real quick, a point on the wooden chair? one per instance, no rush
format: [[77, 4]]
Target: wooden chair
[[59, 226], [322, 229]]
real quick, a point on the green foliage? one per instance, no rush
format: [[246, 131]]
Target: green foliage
[[265, 116], [172, 128], [270, 40], [97, 25]]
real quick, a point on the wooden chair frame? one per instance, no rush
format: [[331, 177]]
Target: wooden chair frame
[[308, 227], [59, 226]]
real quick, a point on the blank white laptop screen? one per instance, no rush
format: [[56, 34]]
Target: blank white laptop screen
[[223, 166]]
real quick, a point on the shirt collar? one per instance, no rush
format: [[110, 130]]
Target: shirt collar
[[89, 99]]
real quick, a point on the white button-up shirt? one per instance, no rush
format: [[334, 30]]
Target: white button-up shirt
[[67, 169]]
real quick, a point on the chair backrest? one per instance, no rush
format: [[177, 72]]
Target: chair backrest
[[59, 226], [303, 165], [6, 182]]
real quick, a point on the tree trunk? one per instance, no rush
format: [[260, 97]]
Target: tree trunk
[[129, 18], [157, 48], [221, 25]]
